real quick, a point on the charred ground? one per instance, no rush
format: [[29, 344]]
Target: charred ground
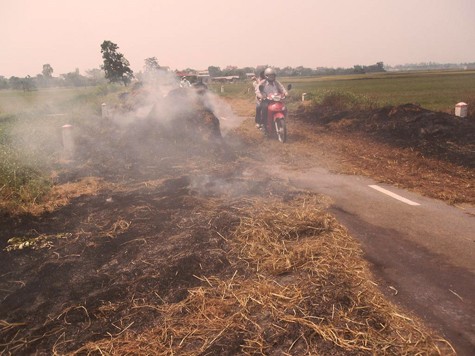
[[175, 246]]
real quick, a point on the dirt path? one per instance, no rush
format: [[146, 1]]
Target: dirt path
[[422, 255]]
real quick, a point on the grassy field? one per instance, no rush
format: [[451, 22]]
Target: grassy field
[[434, 90]]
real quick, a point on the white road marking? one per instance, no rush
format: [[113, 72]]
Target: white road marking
[[393, 195]]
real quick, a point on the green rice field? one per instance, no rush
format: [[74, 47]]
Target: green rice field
[[434, 90]]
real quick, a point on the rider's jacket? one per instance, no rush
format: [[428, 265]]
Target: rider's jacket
[[269, 88]]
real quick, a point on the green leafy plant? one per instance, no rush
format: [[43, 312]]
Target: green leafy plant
[[19, 182]]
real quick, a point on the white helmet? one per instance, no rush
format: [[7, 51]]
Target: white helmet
[[270, 74]]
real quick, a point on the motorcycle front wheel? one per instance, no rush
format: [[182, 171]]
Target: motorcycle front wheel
[[281, 130]]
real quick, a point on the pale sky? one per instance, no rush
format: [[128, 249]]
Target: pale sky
[[67, 34]]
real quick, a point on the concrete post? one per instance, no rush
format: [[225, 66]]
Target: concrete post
[[461, 110], [68, 143], [104, 111], [303, 96]]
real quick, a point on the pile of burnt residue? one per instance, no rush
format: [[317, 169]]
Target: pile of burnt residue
[[436, 134]]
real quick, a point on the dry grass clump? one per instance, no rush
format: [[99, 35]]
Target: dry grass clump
[[58, 196], [299, 287], [62, 194]]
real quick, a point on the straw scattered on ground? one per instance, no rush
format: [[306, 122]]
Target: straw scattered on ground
[[299, 286]]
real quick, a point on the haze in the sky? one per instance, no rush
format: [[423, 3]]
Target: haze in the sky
[[181, 34]]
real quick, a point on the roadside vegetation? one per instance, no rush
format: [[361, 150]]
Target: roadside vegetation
[[31, 147]]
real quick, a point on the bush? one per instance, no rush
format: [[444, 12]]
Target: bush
[[343, 100], [20, 183]]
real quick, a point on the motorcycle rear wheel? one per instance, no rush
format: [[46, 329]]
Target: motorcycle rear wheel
[[281, 130]]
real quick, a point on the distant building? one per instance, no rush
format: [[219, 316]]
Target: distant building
[[182, 73], [228, 79], [203, 76]]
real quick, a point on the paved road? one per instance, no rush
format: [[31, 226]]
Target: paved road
[[423, 255]]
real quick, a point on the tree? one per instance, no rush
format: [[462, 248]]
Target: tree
[[15, 83], [249, 70], [358, 69], [95, 76], [47, 71], [28, 84], [115, 65], [151, 65], [3, 82], [74, 79], [214, 71], [151, 69]]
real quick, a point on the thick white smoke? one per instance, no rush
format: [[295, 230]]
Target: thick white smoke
[[128, 136], [158, 95]]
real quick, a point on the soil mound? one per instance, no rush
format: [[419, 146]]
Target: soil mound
[[435, 134], [145, 130], [189, 112]]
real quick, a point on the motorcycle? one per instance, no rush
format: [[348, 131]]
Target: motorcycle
[[276, 115]]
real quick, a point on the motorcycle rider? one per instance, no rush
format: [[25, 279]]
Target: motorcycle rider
[[267, 87], [185, 83], [255, 83]]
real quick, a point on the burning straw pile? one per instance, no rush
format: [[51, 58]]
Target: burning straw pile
[[296, 285]]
